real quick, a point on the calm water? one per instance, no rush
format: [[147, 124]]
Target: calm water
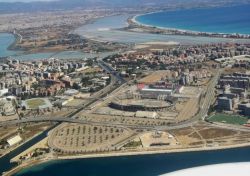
[[5, 164], [147, 165], [221, 20], [105, 29], [7, 39]]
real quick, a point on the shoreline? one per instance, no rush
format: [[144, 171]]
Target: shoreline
[[20, 52], [18, 38], [120, 154], [133, 19], [24, 142], [12, 47], [176, 31]]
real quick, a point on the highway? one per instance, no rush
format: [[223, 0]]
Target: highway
[[116, 80], [72, 118], [110, 70], [210, 95]]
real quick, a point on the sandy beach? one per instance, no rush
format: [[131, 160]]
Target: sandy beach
[[158, 27], [178, 30]]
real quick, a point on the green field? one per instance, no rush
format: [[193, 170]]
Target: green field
[[230, 119], [35, 103], [133, 144]]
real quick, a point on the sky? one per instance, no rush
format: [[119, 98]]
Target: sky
[[22, 0]]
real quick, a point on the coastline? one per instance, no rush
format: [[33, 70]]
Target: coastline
[[18, 38], [133, 19], [123, 153], [21, 51], [119, 154], [12, 47], [176, 31]]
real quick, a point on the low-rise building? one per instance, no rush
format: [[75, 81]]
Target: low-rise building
[[62, 101], [146, 114], [14, 140], [6, 107], [71, 92]]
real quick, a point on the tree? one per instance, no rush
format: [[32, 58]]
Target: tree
[[21, 114], [76, 86]]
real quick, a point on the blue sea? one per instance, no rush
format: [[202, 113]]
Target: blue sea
[[147, 165], [234, 19], [105, 29]]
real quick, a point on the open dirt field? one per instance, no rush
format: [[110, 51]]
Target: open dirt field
[[156, 76]]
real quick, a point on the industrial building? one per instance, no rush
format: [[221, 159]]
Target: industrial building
[[14, 140]]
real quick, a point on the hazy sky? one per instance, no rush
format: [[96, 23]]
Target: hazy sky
[[22, 0]]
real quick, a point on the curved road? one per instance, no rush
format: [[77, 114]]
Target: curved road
[[208, 99]]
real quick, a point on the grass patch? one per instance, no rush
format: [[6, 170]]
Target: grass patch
[[35, 103], [133, 144], [230, 119]]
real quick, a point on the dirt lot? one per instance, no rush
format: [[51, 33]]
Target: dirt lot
[[216, 133], [156, 76], [33, 129], [7, 132], [202, 135], [77, 138], [188, 110]]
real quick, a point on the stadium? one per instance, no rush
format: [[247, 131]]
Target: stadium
[[134, 102], [36, 103]]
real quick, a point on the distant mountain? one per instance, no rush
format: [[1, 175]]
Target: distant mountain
[[71, 4]]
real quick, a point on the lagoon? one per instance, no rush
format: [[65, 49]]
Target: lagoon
[[107, 29], [7, 39]]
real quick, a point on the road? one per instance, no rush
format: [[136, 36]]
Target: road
[[115, 78], [209, 96], [72, 118], [205, 104], [111, 70]]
